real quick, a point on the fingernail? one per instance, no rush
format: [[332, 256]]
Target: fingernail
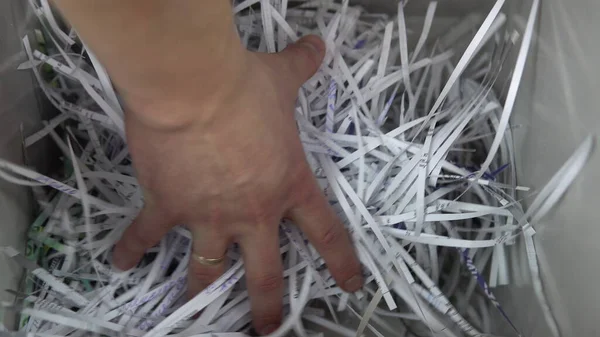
[[316, 45], [312, 47], [354, 283], [268, 329], [116, 269]]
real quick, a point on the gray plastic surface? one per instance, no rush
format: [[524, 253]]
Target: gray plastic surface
[[18, 104], [559, 110]]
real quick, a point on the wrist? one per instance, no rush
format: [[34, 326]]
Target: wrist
[[190, 91], [166, 59]]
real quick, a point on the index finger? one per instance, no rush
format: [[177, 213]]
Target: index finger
[[327, 233]]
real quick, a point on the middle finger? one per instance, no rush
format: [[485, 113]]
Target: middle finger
[[264, 275]]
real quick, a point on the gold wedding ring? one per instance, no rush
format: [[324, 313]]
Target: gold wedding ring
[[209, 262]]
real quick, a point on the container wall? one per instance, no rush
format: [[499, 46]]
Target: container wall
[[559, 111], [456, 8], [19, 106]]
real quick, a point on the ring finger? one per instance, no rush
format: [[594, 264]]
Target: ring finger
[[208, 260]]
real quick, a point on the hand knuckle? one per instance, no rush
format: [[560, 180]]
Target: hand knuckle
[[343, 272], [263, 216], [144, 239], [330, 236], [268, 283], [306, 194]]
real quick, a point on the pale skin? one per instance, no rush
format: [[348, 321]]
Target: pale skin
[[211, 131]]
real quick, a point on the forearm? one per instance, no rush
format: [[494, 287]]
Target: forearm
[[128, 36]]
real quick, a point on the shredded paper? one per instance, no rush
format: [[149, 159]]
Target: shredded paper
[[407, 133]]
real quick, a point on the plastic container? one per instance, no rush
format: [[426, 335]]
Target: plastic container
[[557, 107]]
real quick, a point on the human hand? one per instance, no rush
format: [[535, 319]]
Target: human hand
[[230, 166]]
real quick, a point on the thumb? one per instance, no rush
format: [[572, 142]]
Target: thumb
[[303, 59]]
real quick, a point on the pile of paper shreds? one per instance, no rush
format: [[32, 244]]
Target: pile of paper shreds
[[409, 141]]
